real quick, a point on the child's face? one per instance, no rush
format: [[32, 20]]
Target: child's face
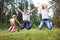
[[25, 11]]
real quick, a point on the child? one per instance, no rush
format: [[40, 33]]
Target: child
[[45, 18], [26, 18], [12, 23]]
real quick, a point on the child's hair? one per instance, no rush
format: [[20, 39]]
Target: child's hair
[[44, 6], [14, 16]]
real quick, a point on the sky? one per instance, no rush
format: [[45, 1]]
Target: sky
[[39, 2]]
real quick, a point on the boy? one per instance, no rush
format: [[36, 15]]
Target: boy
[[26, 18]]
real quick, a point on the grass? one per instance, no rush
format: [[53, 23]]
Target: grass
[[32, 34]]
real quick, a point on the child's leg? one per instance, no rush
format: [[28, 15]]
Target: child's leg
[[41, 24], [28, 25], [10, 28], [13, 28], [23, 25], [48, 24]]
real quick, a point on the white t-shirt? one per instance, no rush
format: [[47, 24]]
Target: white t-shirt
[[45, 14], [26, 16]]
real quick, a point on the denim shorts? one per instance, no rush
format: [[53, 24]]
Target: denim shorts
[[26, 25]]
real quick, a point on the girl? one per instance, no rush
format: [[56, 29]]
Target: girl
[[12, 23], [45, 18]]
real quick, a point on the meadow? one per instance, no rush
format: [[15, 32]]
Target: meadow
[[32, 34]]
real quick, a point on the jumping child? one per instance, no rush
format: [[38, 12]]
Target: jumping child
[[26, 18], [12, 23], [45, 17]]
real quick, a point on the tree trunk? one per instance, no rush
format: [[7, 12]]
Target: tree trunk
[[1, 9], [56, 18]]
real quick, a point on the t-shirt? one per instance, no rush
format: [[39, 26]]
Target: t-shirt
[[26, 16], [45, 14], [12, 21]]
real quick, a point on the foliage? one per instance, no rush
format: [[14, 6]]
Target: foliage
[[34, 16]]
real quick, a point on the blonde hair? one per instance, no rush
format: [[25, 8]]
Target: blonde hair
[[14, 16]]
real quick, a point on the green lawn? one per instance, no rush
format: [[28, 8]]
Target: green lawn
[[33, 34]]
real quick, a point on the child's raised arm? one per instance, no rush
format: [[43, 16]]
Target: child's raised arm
[[19, 9], [33, 9], [51, 6]]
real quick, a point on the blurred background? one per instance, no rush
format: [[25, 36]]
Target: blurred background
[[7, 9]]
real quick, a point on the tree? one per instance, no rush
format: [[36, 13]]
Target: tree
[[56, 18], [34, 16], [1, 11]]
